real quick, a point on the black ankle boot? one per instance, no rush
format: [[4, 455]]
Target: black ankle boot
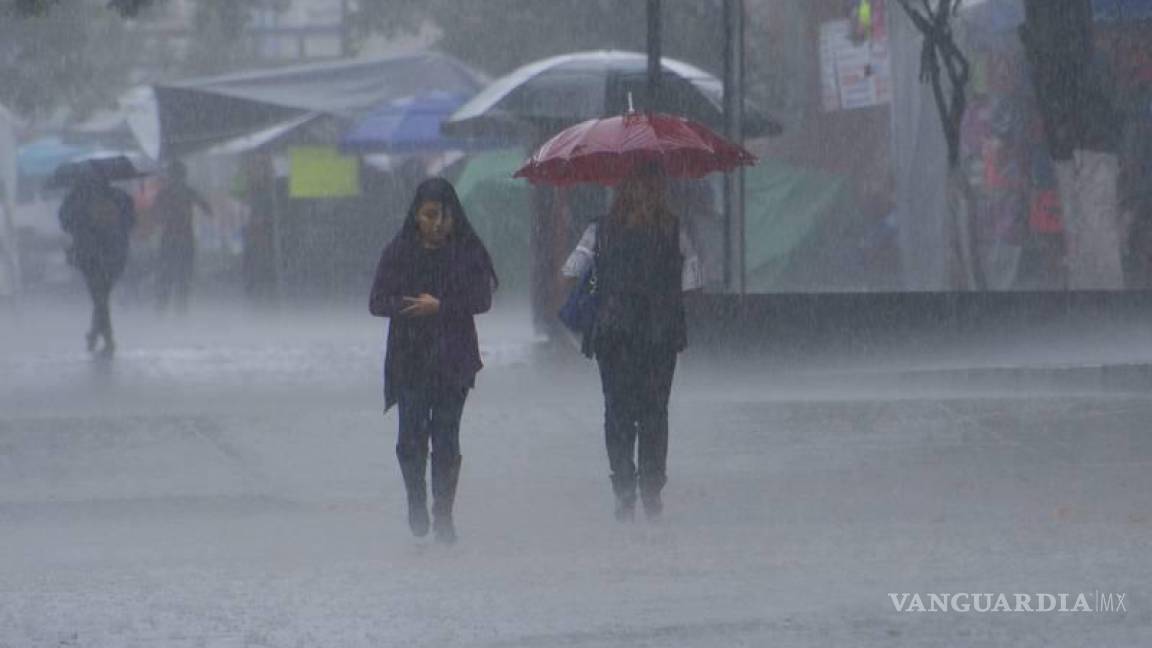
[[443, 528], [650, 487], [413, 466], [418, 517], [624, 487], [625, 508], [445, 477], [653, 506]]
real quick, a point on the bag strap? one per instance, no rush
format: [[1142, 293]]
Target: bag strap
[[593, 277]]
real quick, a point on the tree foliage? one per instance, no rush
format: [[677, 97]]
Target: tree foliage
[[53, 57], [128, 8], [80, 55], [500, 35]]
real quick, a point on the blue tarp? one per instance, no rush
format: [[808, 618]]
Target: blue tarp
[[1000, 16], [1122, 10], [408, 125], [41, 157]]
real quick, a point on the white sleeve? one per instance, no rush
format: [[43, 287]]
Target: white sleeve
[[582, 257], [692, 277]]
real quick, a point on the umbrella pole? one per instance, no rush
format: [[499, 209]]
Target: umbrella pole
[[654, 54]]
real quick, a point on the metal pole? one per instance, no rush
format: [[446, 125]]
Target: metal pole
[[654, 38], [345, 31], [278, 206], [735, 274], [738, 137]]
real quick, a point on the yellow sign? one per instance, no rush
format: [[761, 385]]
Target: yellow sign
[[321, 172]]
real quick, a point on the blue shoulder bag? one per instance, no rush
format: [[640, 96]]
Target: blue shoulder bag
[[579, 311]]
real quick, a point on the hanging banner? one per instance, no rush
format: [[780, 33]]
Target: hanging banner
[[321, 172], [855, 73]]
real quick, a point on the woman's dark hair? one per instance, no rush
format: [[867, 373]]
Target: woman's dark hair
[[640, 200], [463, 239]]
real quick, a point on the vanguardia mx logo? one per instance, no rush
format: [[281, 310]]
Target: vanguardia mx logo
[[982, 602]]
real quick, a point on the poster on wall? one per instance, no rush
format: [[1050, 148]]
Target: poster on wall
[[855, 73]]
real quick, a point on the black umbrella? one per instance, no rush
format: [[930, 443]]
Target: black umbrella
[[572, 88], [112, 168]]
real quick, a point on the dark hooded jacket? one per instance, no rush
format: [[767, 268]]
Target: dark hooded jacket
[[441, 349]]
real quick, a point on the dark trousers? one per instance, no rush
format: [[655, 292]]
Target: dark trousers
[[177, 266], [100, 285], [636, 382], [431, 416]]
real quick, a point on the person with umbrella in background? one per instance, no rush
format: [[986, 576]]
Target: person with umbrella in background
[[431, 280], [174, 207], [638, 259], [99, 218]]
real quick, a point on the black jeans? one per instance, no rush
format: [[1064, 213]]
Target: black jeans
[[177, 266], [431, 415], [637, 381], [100, 285]]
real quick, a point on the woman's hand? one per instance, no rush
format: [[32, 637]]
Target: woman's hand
[[423, 306]]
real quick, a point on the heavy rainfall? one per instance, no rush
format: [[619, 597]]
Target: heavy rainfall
[[575, 323]]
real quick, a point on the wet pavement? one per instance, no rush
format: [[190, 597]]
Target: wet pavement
[[229, 480]]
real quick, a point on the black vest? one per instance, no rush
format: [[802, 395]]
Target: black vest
[[638, 280]]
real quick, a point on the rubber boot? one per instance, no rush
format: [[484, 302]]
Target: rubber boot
[[445, 477], [109, 349], [413, 466], [650, 487], [624, 487]]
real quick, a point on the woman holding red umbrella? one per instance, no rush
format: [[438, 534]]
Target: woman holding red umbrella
[[638, 330], [638, 326]]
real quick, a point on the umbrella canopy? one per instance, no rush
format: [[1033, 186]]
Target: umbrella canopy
[[111, 166], [409, 125], [41, 157], [175, 119], [606, 151], [573, 87], [1122, 10]]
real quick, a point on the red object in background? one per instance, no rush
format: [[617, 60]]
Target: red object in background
[[143, 196], [606, 151], [1045, 215]]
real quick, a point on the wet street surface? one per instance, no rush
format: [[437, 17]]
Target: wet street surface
[[230, 481]]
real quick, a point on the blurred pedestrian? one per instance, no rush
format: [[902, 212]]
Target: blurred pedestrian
[[174, 209], [431, 280], [99, 217], [643, 262], [260, 263]]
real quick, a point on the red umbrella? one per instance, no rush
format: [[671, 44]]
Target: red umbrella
[[606, 151]]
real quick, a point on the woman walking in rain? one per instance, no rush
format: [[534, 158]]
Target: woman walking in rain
[[99, 217], [643, 262], [432, 279]]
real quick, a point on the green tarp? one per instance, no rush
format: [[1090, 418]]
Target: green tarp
[[789, 211], [499, 207]]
